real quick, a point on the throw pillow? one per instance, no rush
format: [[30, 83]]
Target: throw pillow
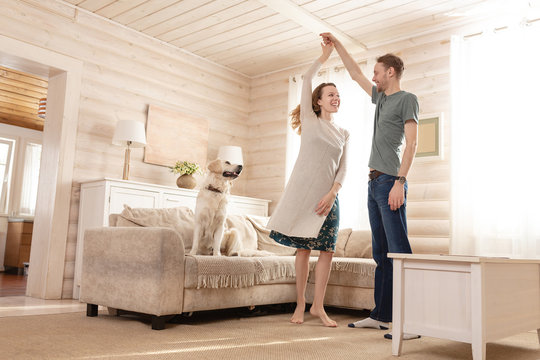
[[342, 238], [180, 219], [359, 244]]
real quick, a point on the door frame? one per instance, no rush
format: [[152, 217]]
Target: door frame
[[51, 220]]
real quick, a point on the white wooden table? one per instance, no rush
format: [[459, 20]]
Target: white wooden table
[[464, 298]]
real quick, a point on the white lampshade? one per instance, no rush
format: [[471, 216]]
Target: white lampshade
[[129, 131], [232, 154]]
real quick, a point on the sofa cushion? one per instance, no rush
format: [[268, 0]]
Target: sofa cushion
[[342, 239], [236, 272], [353, 272], [359, 244], [179, 218], [123, 222]]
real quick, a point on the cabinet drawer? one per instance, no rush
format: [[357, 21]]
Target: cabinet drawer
[[134, 198], [175, 200], [24, 255], [26, 239], [11, 258], [244, 208], [27, 227], [15, 227]]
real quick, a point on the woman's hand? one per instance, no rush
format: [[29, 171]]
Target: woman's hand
[[326, 51], [328, 38], [326, 203]]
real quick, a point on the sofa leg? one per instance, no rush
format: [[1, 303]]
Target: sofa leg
[[158, 322], [91, 310]]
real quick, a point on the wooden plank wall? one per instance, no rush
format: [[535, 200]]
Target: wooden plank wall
[[124, 72], [20, 93], [427, 74]]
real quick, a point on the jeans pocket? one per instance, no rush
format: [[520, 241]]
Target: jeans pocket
[[386, 180]]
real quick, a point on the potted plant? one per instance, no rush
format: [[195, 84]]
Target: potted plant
[[186, 170]]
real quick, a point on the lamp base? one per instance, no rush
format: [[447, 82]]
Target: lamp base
[[125, 174]]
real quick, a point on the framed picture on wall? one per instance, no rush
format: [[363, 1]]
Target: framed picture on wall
[[175, 136], [430, 137]]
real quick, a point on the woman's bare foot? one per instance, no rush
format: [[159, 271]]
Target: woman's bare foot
[[298, 316], [323, 316]]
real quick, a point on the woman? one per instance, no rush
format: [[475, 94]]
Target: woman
[[307, 216]]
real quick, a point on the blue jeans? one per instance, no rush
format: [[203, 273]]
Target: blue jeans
[[388, 234]]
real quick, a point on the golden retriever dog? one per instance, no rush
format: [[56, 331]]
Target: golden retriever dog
[[211, 208]]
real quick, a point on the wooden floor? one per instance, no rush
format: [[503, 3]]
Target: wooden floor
[[12, 284]]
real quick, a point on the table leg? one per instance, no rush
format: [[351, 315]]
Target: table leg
[[397, 308], [478, 340], [479, 350]]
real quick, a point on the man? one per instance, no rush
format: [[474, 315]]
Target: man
[[396, 117]]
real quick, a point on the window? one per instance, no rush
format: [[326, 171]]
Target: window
[[20, 158], [494, 144], [32, 160], [6, 160]]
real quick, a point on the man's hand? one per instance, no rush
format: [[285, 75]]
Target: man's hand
[[352, 66], [328, 38], [397, 196]]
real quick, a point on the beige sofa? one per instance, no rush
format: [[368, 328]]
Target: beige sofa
[[141, 263]]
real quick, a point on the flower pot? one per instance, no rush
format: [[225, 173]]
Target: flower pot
[[186, 181]]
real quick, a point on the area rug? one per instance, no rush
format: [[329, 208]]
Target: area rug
[[263, 333]]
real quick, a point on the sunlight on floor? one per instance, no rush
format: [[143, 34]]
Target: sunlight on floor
[[24, 305], [205, 348]]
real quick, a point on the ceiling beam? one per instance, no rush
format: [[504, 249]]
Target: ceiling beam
[[314, 24]]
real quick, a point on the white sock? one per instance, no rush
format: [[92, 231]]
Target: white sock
[[370, 323]]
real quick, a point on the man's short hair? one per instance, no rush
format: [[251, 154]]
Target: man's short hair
[[391, 60]]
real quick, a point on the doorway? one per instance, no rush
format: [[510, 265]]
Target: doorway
[[22, 112], [47, 254]]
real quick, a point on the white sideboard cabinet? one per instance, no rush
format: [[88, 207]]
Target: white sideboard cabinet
[[100, 198]]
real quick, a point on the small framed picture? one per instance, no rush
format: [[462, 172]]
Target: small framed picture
[[430, 137]]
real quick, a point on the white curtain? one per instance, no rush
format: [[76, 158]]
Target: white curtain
[[356, 115], [32, 159], [494, 132]]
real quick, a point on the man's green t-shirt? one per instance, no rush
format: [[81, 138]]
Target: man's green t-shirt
[[389, 128]]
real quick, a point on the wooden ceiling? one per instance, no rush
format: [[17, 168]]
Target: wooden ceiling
[[255, 37], [19, 98]]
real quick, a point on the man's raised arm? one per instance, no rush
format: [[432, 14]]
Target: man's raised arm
[[352, 67]]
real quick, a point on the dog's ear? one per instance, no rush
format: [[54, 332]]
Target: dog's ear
[[215, 166]]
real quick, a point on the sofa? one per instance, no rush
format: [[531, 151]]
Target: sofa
[[141, 263]]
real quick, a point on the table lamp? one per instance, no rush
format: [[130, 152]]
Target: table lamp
[[232, 154], [129, 133]]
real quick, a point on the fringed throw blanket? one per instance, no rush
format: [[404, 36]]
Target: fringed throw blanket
[[235, 272], [362, 267]]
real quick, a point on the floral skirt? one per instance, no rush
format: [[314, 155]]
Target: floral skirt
[[325, 241]]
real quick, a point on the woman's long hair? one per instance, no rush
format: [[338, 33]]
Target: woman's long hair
[[315, 96]]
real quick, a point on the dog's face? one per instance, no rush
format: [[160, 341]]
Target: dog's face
[[225, 169]]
